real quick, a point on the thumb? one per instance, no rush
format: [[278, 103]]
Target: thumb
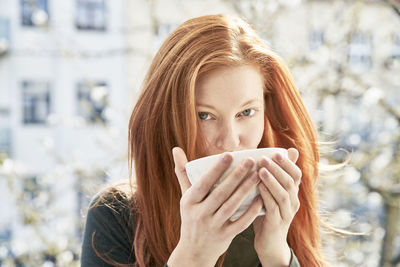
[[180, 160], [293, 154]]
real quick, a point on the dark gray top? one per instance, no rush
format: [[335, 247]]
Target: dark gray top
[[110, 228]]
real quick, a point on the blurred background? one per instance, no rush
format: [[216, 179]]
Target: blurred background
[[70, 72]]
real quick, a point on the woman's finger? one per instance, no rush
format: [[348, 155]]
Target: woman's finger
[[289, 166], [288, 175], [203, 186], [244, 221], [293, 154], [284, 170], [270, 205], [225, 189], [230, 206], [180, 160], [281, 196]]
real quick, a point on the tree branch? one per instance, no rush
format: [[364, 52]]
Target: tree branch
[[395, 4], [390, 109]]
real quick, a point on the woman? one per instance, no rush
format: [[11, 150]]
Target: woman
[[213, 87]]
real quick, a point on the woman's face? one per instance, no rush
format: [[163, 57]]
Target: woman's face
[[230, 107]]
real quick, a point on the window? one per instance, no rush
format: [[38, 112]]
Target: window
[[393, 58], [92, 101], [5, 235], [90, 15], [31, 187], [36, 102], [4, 35], [5, 132], [316, 39], [34, 12], [396, 47], [5, 141], [360, 50]]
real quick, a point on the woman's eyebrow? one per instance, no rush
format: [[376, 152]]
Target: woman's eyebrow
[[205, 105], [251, 101]]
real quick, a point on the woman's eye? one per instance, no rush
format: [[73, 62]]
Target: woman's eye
[[248, 112], [204, 116]]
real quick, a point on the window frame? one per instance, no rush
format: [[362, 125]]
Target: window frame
[[83, 93], [28, 7], [32, 100], [86, 13]]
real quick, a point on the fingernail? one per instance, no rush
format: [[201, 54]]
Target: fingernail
[[264, 173], [279, 157], [225, 157], [267, 162], [248, 163]]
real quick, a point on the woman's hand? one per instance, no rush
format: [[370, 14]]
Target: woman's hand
[[206, 231], [279, 187]]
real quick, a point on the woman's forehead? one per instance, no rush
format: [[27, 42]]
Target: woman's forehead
[[241, 83]]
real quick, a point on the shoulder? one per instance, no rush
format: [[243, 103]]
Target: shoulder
[[115, 198], [114, 205], [110, 225]]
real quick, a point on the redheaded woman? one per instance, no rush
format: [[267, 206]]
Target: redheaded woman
[[213, 87]]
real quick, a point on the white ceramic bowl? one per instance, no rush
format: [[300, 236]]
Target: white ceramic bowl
[[197, 168]]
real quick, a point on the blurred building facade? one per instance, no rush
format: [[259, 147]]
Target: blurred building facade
[[59, 79], [57, 68]]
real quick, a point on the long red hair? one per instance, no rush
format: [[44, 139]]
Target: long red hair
[[165, 116]]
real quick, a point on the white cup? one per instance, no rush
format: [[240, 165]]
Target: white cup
[[195, 169]]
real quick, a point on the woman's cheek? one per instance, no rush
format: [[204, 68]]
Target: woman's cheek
[[207, 131], [257, 130]]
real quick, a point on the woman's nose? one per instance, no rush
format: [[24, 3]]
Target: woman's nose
[[228, 137]]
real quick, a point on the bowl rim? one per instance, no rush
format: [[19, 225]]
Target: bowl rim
[[237, 152]]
